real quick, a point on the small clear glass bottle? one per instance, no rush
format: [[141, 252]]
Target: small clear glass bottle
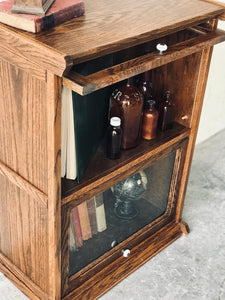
[[114, 138], [150, 121]]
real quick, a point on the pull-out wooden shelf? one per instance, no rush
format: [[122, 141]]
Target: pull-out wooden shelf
[[202, 39]]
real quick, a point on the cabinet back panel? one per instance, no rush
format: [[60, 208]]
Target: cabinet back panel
[[23, 136], [23, 232], [180, 77]]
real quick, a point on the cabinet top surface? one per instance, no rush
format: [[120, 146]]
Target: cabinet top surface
[[108, 26]]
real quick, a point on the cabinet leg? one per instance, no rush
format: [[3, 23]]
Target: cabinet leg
[[184, 227]]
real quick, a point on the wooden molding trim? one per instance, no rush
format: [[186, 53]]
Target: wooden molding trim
[[23, 63], [36, 52], [222, 16], [18, 278], [24, 185], [54, 183], [200, 90]]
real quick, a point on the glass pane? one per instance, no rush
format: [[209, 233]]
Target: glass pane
[[109, 218]]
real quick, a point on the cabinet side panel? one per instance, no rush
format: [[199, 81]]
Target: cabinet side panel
[[23, 233], [199, 97], [54, 183], [23, 130]]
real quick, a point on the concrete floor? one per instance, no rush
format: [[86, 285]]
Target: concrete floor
[[193, 267]]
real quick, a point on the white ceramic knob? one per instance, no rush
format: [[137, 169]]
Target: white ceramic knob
[[161, 48], [126, 252]]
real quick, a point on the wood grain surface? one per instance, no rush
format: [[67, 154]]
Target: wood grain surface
[[105, 29], [108, 25], [102, 170], [32, 251], [87, 84], [221, 17], [111, 256], [34, 69], [122, 267], [23, 124], [200, 85], [23, 184], [23, 238], [23, 282], [53, 97]]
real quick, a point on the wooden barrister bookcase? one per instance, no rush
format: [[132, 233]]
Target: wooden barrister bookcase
[[35, 204]]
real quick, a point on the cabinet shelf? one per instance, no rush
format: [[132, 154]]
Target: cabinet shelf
[[100, 167]]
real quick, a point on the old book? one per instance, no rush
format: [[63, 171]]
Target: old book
[[71, 164], [68, 147], [72, 238], [77, 227], [68, 152], [64, 129], [59, 12], [84, 221], [90, 116], [100, 213], [92, 215]]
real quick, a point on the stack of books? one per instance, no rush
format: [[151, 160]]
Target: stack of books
[[86, 220], [59, 12]]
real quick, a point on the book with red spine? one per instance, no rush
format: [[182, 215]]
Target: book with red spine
[[72, 236], [84, 221], [59, 12], [100, 213], [92, 215], [77, 227]]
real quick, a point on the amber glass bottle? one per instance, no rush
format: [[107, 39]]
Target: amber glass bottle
[[126, 103], [150, 121], [145, 86], [166, 112]]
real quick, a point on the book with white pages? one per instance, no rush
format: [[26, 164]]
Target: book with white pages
[[64, 126], [68, 151], [71, 162]]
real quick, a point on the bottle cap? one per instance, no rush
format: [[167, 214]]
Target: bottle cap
[[115, 121], [167, 95], [150, 103]]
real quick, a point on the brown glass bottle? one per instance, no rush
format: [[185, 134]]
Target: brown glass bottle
[[145, 86], [127, 104], [166, 112], [150, 121]]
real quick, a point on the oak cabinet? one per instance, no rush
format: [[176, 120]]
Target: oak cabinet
[[36, 206]]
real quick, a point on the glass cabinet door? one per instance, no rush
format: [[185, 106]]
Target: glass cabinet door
[[102, 222]]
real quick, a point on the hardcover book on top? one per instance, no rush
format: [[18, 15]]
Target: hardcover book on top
[[59, 12]]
